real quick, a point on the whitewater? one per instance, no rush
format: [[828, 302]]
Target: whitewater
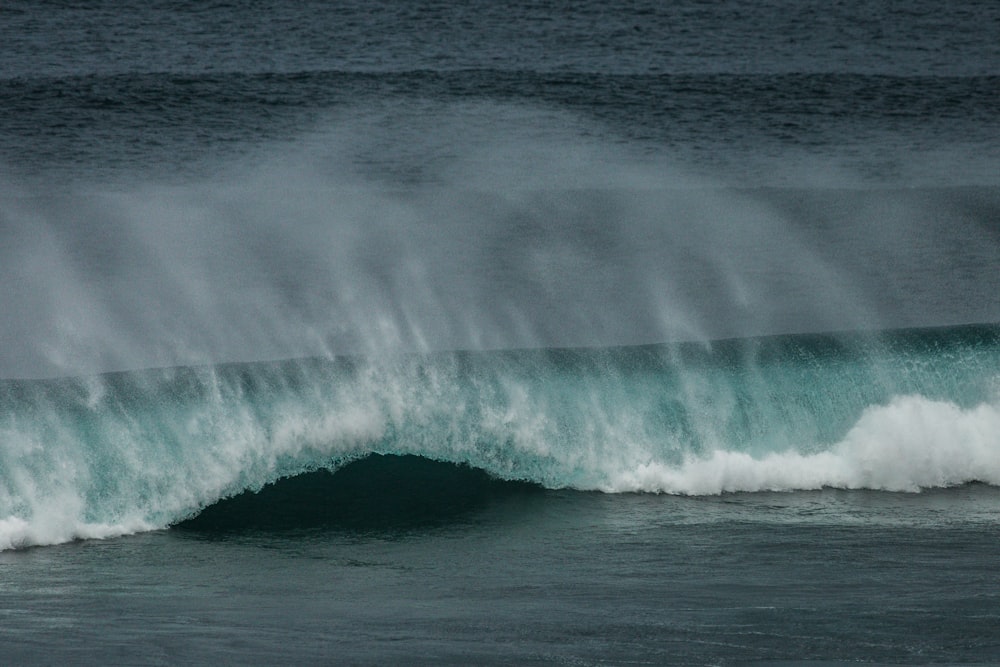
[[112, 454]]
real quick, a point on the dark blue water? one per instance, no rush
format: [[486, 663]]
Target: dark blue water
[[499, 333], [535, 577]]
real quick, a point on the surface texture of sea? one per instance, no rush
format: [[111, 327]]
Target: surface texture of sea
[[499, 333]]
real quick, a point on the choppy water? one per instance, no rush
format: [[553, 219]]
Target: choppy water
[[487, 333]]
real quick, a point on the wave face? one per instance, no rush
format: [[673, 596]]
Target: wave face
[[116, 453]]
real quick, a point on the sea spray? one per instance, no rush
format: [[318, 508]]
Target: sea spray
[[519, 227]]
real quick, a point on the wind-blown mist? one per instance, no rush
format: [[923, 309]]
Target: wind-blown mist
[[467, 234]]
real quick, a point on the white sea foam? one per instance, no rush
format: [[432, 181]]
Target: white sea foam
[[17, 533], [56, 517], [912, 443]]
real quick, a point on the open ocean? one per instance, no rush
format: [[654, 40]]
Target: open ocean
[[500, 333]]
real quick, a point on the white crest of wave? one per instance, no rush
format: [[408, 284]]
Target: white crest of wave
[[912, 443]]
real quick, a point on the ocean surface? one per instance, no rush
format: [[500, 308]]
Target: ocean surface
[[500, 333]]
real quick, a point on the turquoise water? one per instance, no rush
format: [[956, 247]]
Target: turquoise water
[[125, 452]]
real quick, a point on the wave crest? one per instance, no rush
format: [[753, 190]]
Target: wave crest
[[119, 453]]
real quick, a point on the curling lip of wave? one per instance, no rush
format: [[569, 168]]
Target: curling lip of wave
[[126, 452]]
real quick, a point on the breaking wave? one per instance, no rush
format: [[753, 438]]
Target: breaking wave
[[111, 454]]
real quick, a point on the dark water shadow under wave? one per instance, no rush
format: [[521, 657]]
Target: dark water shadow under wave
[[378, 494]]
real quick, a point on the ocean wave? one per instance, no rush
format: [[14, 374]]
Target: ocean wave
[[119, 453]]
